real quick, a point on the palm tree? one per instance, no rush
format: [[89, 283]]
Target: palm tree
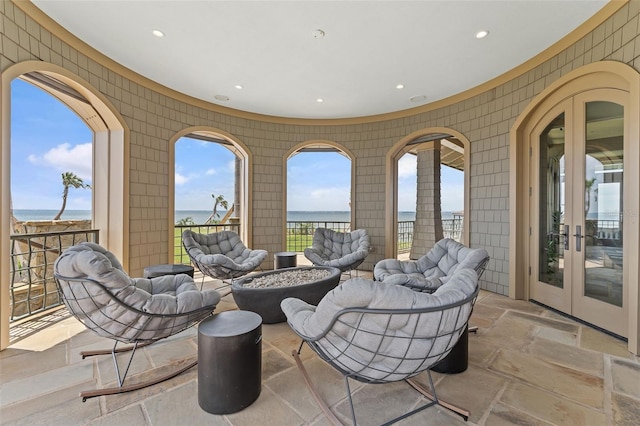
[[69, 179], [219, 200]]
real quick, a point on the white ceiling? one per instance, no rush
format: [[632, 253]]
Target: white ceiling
[[369, 47]]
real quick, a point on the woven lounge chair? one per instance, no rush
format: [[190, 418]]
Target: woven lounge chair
[[137, 311], [342, 250], [379, 333]]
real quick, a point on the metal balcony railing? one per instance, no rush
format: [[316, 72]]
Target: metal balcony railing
[[300, 234], [32, 286]]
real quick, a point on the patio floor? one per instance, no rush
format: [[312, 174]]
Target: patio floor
[[527, 366]]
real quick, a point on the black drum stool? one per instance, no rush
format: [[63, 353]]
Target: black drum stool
[[229, 361], [285, 259]]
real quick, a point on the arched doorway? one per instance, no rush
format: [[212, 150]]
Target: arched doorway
[[452, 151], [575, 177], [110, 163], [239, 199], [328, 202]]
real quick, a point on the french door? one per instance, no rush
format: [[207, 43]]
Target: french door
[[577, 230]]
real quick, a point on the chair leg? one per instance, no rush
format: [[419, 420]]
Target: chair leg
[[314, 392], [464, 413], [120, 379], [115, 363], [332, 417], [122, 389], [85, 354]]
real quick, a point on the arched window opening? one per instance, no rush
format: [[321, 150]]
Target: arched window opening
[[430, 193], [51, 159], [318, 193], [58, 125], [50, 205], [208, 181]]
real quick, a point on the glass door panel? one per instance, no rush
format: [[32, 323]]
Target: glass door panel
[[551, 238], [603, 182]]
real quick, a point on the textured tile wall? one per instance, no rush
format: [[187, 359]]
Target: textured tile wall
[[153, 119]]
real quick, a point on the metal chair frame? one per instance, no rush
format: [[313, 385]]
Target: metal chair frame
[[84, 288], [406, 368]]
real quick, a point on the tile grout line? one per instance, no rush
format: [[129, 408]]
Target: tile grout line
[[607, 402]]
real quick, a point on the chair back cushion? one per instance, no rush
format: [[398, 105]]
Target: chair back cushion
[[447, 255], [342, 250], [114, 305], [393, 332], [331, 245], [224, 248], [434, 268]]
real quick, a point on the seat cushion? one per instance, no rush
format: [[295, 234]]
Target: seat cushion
[[112, 308], [385, 346]]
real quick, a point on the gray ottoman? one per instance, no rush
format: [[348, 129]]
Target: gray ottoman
[[229, 361]]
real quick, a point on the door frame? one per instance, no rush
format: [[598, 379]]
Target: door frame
[[570, 298], [603, 74]]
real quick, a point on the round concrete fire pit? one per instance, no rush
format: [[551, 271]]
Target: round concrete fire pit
[[262, 293]]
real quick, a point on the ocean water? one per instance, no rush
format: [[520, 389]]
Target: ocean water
[[200, 216], [26, 214]]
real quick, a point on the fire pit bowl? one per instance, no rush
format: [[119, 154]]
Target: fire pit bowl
[[265, 299]]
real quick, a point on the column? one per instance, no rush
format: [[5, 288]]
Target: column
[[427, 229]]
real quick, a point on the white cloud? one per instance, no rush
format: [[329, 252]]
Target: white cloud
[[210, 172], [180, 179], [77, 159], [407, 166]]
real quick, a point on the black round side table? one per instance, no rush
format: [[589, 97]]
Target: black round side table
[[458, 359], [229, 361], [285, 259]]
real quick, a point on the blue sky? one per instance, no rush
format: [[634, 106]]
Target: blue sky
[[47, 139]]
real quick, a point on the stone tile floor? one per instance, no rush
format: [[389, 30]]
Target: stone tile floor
[[527, 366]]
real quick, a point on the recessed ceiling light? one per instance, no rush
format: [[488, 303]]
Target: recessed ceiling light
[[482, 34], [400, 86], [157, 33], [419, 98], [319, 100], [318, 33], [239, 86], [221, 98]]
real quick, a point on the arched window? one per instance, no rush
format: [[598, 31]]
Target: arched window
[[109, 163], [318, 192]]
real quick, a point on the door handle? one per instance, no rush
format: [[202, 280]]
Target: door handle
[[566, 237], [579, 237]]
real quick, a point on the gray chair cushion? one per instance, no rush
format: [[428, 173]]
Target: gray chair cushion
[[342, 250], [221, 254], [409, 340], [433, 269], [170, 294]]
